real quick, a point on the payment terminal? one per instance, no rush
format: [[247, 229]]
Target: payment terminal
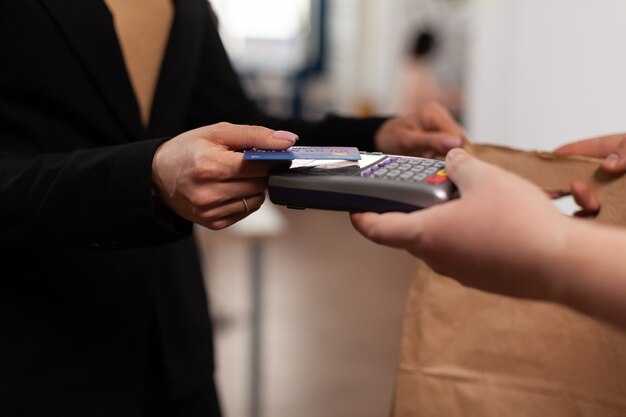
[[377, 182]]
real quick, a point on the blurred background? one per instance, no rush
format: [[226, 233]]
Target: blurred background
[[308, 314]]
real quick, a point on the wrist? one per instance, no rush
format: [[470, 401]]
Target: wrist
[[568, 261], [380, 138], [157, 183], [550, 259], [162, 210]]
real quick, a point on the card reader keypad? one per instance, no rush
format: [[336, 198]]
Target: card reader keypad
[[408, 169]]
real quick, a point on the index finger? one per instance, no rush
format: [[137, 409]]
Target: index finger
[[237, 137], [419, 141], [598, 147], [397, 230]]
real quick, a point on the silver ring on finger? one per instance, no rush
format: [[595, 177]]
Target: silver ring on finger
[[245, 204]]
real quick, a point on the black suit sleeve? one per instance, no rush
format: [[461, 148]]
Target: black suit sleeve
[[219, 93], [98, 198]]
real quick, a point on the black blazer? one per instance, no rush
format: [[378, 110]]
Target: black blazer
[[102, 305]]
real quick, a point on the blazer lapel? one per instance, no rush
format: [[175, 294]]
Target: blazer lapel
[[88, 28], [179, 68]]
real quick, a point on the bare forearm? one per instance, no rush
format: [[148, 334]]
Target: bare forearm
[[590, 276]]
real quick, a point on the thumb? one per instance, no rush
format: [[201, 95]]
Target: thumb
[[615, 162], [466, 172], [237, 137]]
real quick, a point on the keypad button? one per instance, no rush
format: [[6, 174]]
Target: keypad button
[[437, 179], [408, 169]]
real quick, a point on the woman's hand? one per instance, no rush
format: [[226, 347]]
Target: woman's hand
[[199, 175], [431, 131]]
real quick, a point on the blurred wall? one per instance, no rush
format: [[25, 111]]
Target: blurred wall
[[365, 46], [546, 72]]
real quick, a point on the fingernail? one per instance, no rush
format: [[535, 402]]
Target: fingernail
[[454, 153], [611, 160], [450, 143], [284, 135]]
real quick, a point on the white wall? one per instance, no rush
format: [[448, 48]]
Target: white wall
[[365, 46], [546, 72]]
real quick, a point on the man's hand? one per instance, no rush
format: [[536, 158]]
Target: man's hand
[[502, 235], [199, 176], [432, 131], [612, 148]]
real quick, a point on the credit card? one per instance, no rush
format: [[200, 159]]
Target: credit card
[[303, 152]]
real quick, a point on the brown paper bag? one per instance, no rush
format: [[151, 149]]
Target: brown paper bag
[[468, 353]]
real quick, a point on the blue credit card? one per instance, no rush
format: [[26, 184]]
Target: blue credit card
[[303, 152]]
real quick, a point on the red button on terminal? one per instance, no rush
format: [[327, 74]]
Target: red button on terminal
[[437, 179]]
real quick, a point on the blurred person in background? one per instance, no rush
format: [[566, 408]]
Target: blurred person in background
[[421, 82], [119, 126]]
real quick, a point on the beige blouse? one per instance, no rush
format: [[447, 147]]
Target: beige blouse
[[143, 28]]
